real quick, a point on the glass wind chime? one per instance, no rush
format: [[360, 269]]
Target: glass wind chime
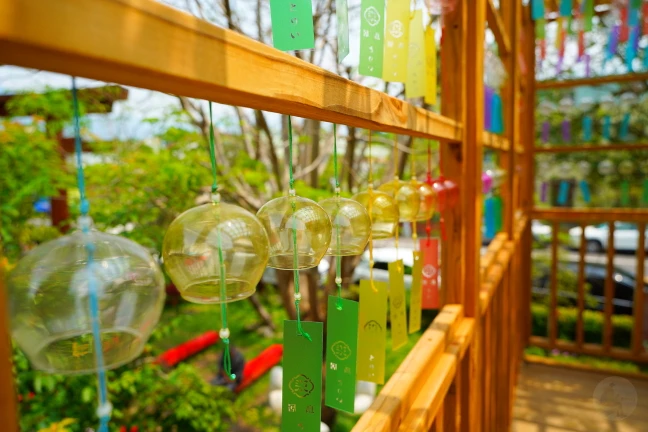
[[85, 302], [216, 253]]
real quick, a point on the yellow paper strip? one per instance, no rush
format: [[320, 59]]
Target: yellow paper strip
[[415, 86], [396, 41], [415, 294], [559, 30], [372, 333], [430, 67], [397, 305]]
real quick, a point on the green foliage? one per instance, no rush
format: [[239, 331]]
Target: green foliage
[[142, 394], [597, 362], [31, 168], [593, 323]]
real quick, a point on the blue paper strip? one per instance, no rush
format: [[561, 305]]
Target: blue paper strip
[[587, 128], [585, 190], [498, 120], [537, 9], [625, 127], [489, 215], [607, 123], [613, 42], [631, 47], [633, 16], [565, 8], [563, 192]]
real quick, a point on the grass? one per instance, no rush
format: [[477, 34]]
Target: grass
[[602, 363]]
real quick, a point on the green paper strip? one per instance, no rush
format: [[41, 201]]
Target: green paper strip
[[645, 192], [416, 294], [292, 24], [302, 378], [540, 29], [396, 41], [416, 79], [397, 306], [625, 193], [372, 34], [342, 14], [372, 335], [341, 354], [588, 15]]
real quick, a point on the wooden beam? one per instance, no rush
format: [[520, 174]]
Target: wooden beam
[[587, 148], [495, 141], [146, 44], [594, 215], [496, 24], [610, 79]]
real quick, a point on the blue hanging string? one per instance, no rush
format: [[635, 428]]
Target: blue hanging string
[[104, 409]]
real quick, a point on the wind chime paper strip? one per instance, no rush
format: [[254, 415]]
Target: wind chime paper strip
[[588, 14], [559, 30], [302, 377], [416, 77], [396, 41], [372, 35], [546, 129], [488, 108], [372, 332], [342, 15], [631, 47], [607, 126], [565, 8], [633, 14], [499, 213], [341, 354], [416, 294], [613, 42], [292, 24], [566, 130], [563, 192], [644, 13], [537, 9], [587, 128], [489, 216], [498, 114], [430, 67], [644, 198], [625, 193], [624, 130], [540, 29], [397, 306], [430, 273], [544, 191], [581, 44], [585, 191]]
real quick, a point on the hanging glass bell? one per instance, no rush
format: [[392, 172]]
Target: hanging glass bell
[[452, 191], [438, 185], [383, 211], [428, 198], [191, 253], [407, 198], [351, 226], [49, 293], [294, 219]]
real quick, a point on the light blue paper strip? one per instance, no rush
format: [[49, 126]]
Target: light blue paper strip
[[565, 8], [587, 128], [537, 9], [607, 125], [563, 192], [585, 190]]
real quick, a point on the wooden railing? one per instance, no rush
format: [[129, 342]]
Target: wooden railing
[[461, 374], [584, 218]]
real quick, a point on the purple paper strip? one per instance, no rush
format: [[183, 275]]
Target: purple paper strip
[[546, 128], [566, 130], [587, 65], [488, 103], [544, 188], [613, 42], [559, 65]]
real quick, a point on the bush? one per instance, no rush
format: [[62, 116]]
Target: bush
[[593, 323]]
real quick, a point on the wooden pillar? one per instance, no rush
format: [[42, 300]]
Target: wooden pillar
[[472, 193], [453, 84]]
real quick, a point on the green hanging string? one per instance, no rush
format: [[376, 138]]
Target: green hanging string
[[338, 258], [300, 330], [227, 359]]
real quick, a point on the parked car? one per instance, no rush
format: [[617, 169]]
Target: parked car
[[382, 257], [626, 237], [624, 287]]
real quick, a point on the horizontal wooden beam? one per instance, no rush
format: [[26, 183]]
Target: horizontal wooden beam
[[495, 141], [594, 215], [610, 79], [146, 44], [586, 148], [496, 24]]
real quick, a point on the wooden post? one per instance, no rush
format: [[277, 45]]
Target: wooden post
[[472, 194]]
